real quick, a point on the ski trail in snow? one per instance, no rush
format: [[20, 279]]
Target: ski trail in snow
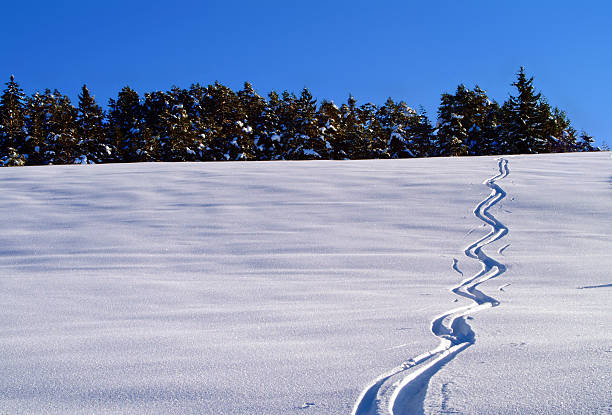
[[502, 249], [402, 389], [501, 287], [455, 267]]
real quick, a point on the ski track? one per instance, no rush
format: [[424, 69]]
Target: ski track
[[502, 249], [402, 389], [455, 266]]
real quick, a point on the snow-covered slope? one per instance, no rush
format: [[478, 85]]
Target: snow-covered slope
[[289, 287]]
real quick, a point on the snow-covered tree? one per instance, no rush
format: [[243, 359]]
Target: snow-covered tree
[[91, 130], [523, 118], [12, 124], [126, 125]]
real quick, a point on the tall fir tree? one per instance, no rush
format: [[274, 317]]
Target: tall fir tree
[[184, 133], [352, 143], [126, 127], [38, 112], [267, 135], [303, 137], [404, 126], [62, 144], [372, 131], [226, 123], [329, 119], [12, 125], [421, 135], [91, 130], [523, 118], [451, 134], [253, 107]]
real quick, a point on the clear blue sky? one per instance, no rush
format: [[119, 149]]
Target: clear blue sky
[[408, 50]]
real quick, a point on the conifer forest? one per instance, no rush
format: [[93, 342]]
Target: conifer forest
[[214, 123]]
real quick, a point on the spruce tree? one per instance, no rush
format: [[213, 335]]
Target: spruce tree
[[12, 125], [62, 141], [304, 140], [451, 134], [156, 142], [38, 112], [182, 127], [126, 127], [266, 137], [227, 123], [253, 107], [586, 142], [397, 121], [352, 143], [557, 128], [91, 130], [329, 118], [524, 118], [421, 135], [372, 130], [287, 114]]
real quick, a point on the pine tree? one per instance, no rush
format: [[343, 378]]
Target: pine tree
[[253, 107], [226, 123], [352, 143], [38, 112], [397, 122], [303, 139], [12, 124], [156, 142], [61, 141], [372, 130], [586, 142], [523, 119], [266, 137], [451, 135], [199, 119], [183, 130], [287, 114], [467, 123], [91, 130], [557, 128], [126, 128], [329, 118], [421, 135]]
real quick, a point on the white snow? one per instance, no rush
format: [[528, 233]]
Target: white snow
[[310, 152], [289, 287]]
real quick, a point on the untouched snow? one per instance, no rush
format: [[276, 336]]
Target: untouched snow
[[289, 287]]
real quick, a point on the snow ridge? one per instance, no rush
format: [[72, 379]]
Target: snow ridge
[[397, 392]]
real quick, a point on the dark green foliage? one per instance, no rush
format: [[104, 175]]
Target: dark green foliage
[[329, 117], [467, 123], [91, 130], [12, 125], [209, 123], [126, 127], [62, 143], [266, 137], [353, 142], [524, 120]]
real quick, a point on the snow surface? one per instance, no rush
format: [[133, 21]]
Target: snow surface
[[289, 287]]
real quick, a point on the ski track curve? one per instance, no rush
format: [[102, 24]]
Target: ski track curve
[[401, 390]]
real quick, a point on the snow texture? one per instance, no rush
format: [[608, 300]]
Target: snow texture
[[289, 287]]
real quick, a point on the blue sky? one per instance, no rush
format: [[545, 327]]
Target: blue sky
[[411, 51]]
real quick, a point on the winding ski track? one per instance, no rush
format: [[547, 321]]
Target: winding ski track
[[402, 389]]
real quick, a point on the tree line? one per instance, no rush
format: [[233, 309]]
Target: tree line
[[213, 123]]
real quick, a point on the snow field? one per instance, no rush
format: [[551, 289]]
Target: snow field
[[287, 287]]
